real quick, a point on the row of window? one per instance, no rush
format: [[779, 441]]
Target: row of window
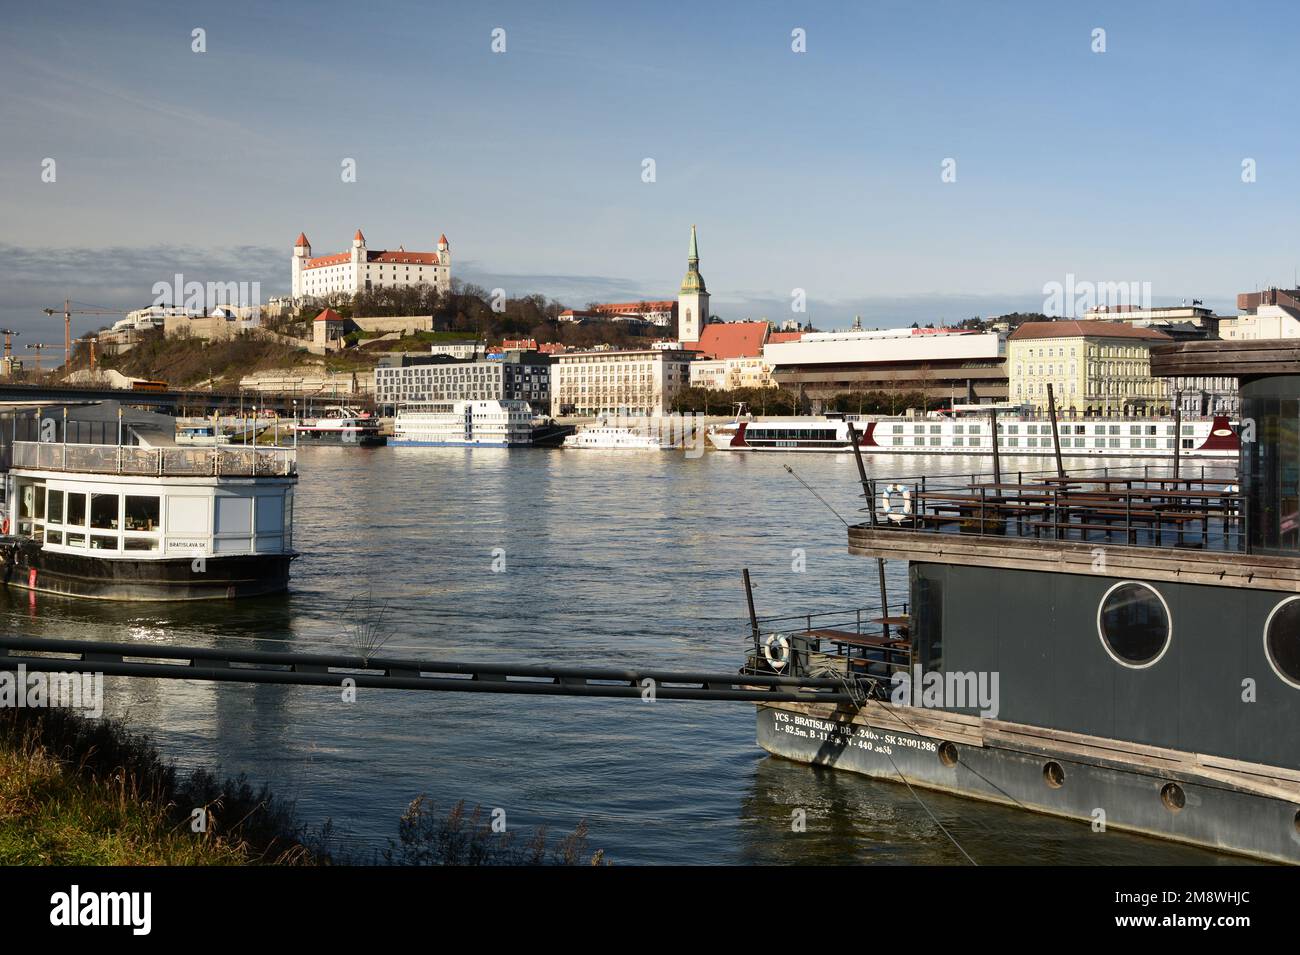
[[1136, 629], [71, 518]]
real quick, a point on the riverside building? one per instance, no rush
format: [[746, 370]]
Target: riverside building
[[523, 377], [640, 382]]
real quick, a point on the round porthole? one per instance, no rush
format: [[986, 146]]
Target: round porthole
[[1134, 624], [1282, 640], [1053, 774], [1172, 795], [947, 754]]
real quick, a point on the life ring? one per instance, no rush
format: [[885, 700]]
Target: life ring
[[777, 661], [4, 526], [887, 502]]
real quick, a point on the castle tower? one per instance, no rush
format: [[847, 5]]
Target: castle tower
[[693, 299], [358, 247], [301, 253]]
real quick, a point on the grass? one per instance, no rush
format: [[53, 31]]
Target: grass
[[75, 791]]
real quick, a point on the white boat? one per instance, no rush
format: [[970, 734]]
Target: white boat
[[492, 424], [105, 505], [1018, 434], [341, 424], [607, 437]]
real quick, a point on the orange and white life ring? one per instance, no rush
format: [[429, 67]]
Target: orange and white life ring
[[4, 526]]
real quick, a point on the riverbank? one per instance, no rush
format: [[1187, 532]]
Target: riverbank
[[75, 791]]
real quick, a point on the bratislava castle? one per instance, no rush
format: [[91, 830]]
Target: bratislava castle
[[362, 269]]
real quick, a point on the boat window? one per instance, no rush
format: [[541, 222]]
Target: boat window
[[100, 542], [76, 511], [1282, 640], [104, 511], [1133, 621], [141, 513], [54, 507], [76, 540], [53, 537]]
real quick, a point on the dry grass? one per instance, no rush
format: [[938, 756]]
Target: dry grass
[[80, 792]]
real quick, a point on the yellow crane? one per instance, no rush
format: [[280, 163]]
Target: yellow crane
[[68, 311]]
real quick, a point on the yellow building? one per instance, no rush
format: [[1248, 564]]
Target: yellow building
[[1093, 367]]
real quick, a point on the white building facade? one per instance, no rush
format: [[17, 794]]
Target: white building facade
[[524, 380], [641, 382], [361, 269]]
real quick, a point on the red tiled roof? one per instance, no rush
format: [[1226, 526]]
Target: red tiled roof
[[323, 260], [731, 340], [412, 258], [626, 307], [378, 255], [442, 239], [1073, 329], [777, 337], [329, 315], [358, 237], [302, 240]]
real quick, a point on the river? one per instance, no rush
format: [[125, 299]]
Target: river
[[584, 558]]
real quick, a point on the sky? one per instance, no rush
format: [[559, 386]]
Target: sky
[[820, 170]]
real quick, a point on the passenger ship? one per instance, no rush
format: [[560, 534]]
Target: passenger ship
[[342, 425], [1139, 629], [102, 503], [970, 433], [468, 424], [606, 437]]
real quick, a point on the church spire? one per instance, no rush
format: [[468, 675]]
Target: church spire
[[694, 281]]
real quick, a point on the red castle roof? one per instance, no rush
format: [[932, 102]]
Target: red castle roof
[[731, 340]]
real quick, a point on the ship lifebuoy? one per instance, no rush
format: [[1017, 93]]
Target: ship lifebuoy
[[4, 526], [778, 660], [887, 501]]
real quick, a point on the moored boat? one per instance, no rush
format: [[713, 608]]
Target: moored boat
[[1116, 646], [342, 425], [104, 504]]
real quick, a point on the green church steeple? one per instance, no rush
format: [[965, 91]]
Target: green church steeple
[[694, 281]]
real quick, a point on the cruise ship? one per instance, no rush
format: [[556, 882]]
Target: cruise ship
[[1019, 433], [468, 424]]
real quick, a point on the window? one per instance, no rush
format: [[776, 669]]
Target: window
[[1133, 622], [76, 511], [104, 511], [54, 507], [1282, 640], [141, 513]]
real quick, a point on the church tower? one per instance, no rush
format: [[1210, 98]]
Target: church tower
[[301, 253], [693, 300]]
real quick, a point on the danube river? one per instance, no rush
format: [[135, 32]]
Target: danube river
[[575, 557]]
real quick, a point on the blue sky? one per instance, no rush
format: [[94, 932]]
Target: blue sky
[[818, 170]]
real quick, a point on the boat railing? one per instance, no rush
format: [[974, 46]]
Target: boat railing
[[1151, 506], [220, 461], [867, 642]]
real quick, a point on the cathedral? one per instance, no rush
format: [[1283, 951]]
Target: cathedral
[[693, 299]]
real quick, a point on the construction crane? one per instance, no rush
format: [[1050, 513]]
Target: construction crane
[[9, 334], [68, 312], [40, 348], [90, 340]]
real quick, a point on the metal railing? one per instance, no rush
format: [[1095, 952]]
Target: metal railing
[[1138, 505], [228, 461]]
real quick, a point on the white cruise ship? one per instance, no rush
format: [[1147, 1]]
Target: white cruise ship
[[605, 437], [457, 424], [970, 434]]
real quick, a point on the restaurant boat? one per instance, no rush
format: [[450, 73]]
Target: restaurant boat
[[101, 502], [1119, 647]]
